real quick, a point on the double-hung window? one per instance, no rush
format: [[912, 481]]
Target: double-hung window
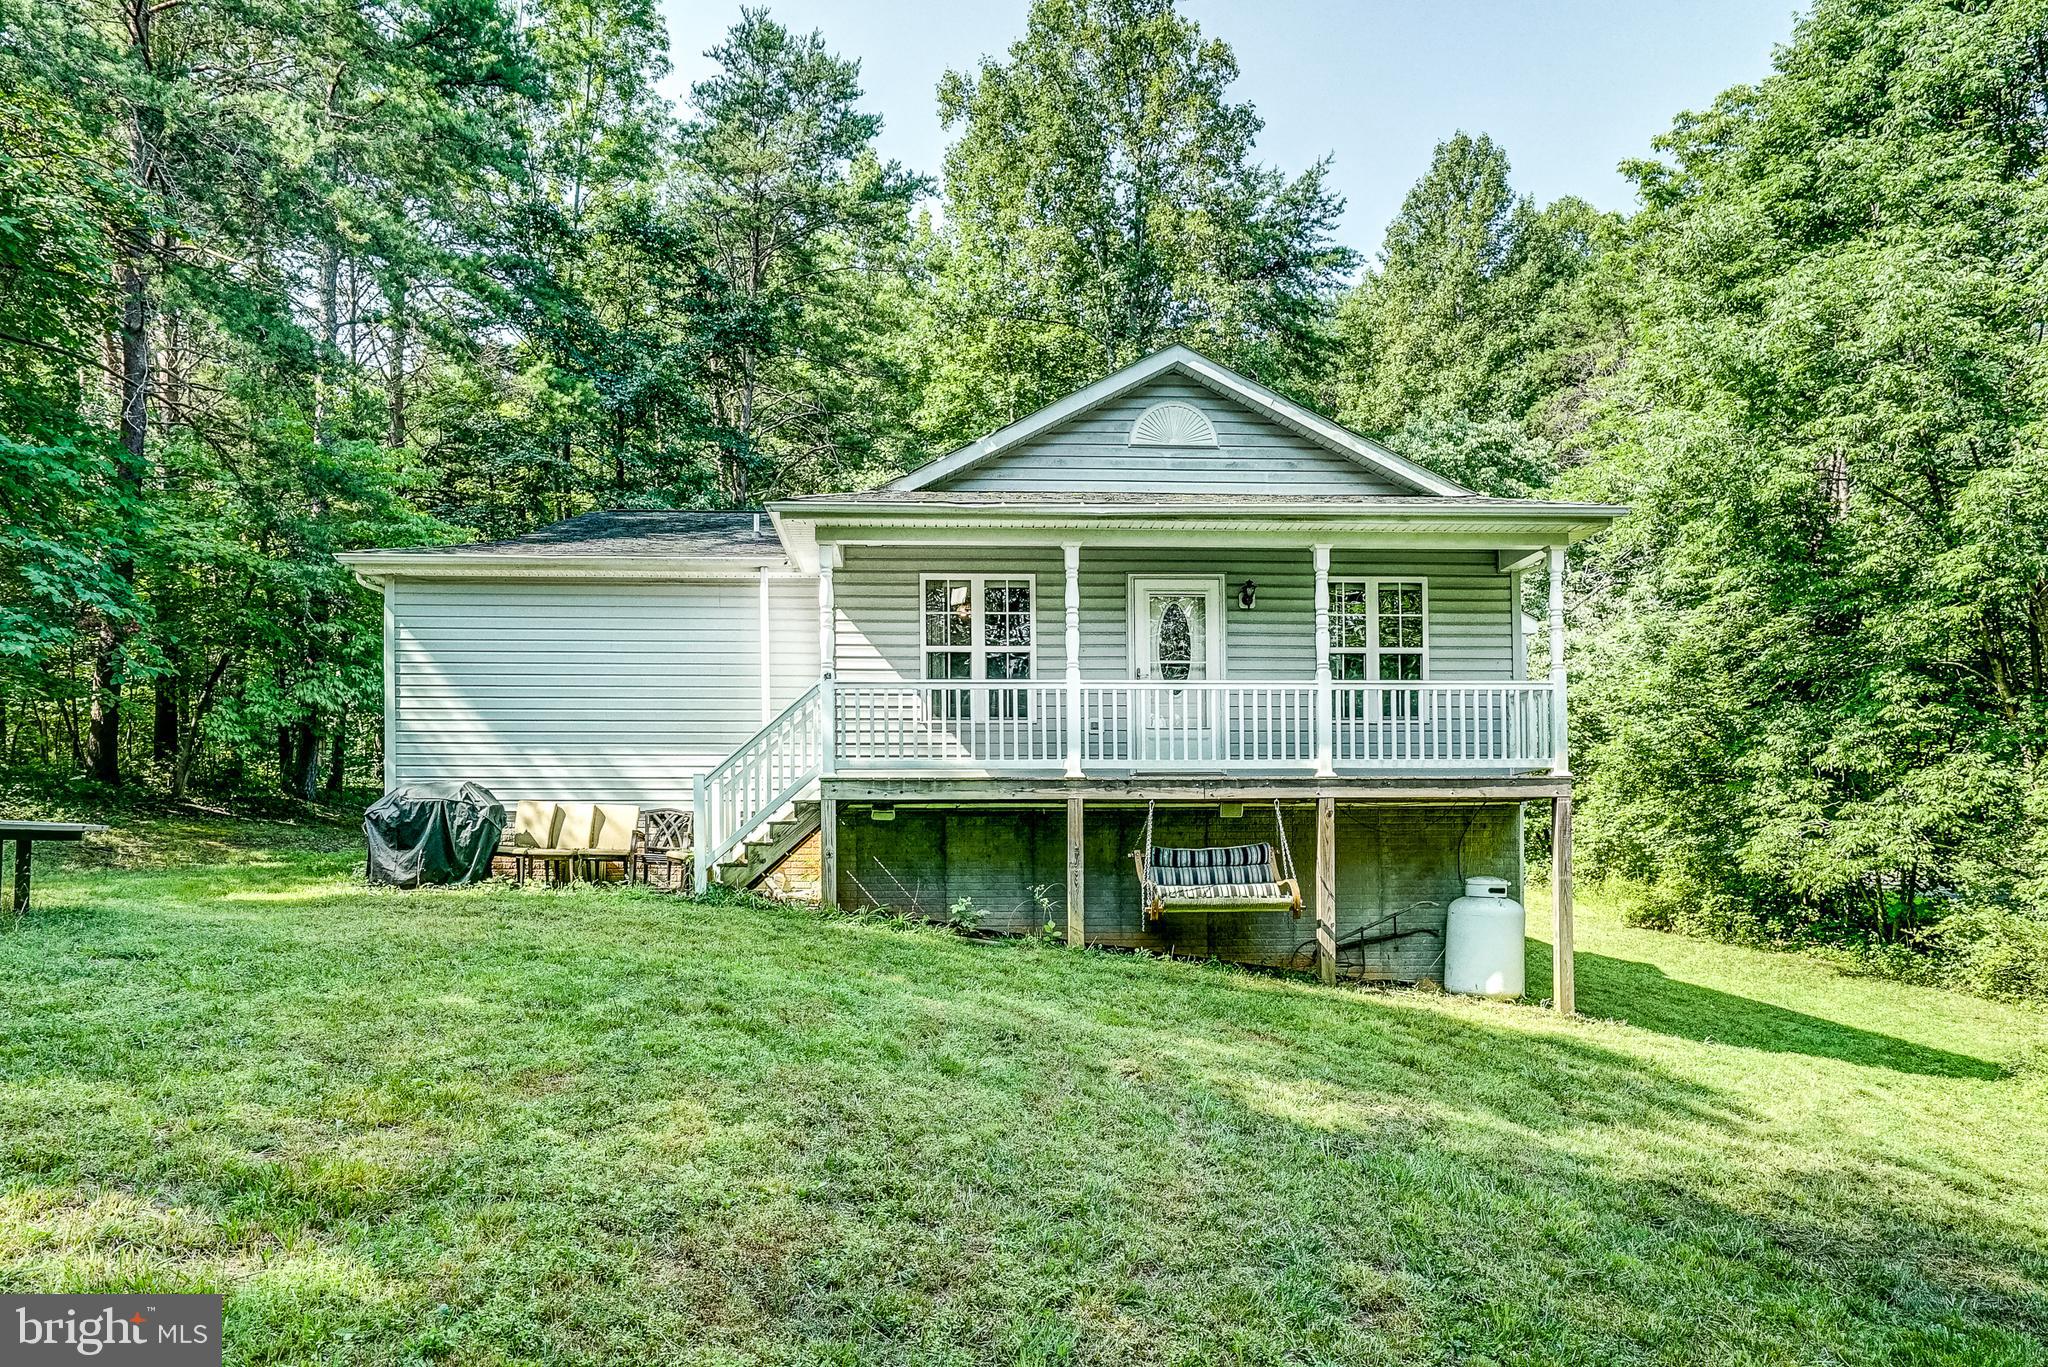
[[1379, 632], [978, 627]]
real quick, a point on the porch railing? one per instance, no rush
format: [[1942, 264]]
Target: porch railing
[[951, 725], [756, 781], [1432, 725], [1196, 726], [1224, 725]]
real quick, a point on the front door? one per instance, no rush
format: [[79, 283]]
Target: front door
[[1176, 638]]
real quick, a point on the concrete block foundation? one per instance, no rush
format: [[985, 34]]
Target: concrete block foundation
[[1005, 867]]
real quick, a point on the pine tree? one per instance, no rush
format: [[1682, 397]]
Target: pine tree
[[1102, 201]]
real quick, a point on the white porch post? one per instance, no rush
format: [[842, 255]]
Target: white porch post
[[767, 652], [828, 634], [1325, 746], [1561, 759], [1072, 601]]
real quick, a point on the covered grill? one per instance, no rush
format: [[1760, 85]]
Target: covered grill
[[433, 833]]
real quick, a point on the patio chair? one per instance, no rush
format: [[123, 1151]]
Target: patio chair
[[611, 840], [534, 824], [662, 842], [574, 822]]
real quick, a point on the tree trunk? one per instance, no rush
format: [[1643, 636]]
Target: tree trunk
[[164, 738], [394, 377], [308, 774], [298, 760], [109, 665], [337, 760], [330, 333], [103, 727]]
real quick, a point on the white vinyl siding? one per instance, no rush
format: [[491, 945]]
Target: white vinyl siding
[[623, 692], [880, 632], [588, 691], [1253, 454]]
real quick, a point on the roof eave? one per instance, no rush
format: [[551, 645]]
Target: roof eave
[[376, 567], [1526, 524]]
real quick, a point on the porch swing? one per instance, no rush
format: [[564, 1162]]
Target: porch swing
[[1217, 878]]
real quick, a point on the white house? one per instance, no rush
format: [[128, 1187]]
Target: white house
[[1167, 602]]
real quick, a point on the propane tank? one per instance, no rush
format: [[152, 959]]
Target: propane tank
[[1483, 941]]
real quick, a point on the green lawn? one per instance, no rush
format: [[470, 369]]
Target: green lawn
[[530, 1126]]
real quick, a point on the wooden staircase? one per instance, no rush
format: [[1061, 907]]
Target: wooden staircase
[[749, 810], [757, 856]]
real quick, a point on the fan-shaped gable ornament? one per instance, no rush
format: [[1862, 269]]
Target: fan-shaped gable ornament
[[1172, 424]]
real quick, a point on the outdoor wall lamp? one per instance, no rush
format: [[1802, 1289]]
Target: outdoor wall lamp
[[1248, 595]]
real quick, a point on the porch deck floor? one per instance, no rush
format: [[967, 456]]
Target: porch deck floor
[[1182, 787]]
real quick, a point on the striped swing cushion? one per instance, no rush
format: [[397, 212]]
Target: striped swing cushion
[[1237, 873]]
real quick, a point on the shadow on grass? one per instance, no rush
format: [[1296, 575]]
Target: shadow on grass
[[1644, 996]]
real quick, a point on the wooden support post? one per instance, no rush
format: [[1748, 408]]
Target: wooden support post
[[1563, 991], [1326, 888], [828, 852], [21, 874], [1077, 877]]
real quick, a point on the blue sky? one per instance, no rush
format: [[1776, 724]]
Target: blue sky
[[1569, 87]]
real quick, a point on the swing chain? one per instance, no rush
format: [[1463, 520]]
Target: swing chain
[[1286, 852]]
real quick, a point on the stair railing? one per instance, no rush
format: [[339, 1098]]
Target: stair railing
[[756, 781]]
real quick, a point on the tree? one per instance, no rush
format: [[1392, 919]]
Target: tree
[[1102, 201], [58, 503], [1471, 313], [805, 231], [232, 174], [1817, 697]]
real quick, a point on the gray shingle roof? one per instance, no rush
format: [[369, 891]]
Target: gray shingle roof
[[636, 531]]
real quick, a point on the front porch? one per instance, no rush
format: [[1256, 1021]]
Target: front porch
[[1243, 727], [1163, 673]]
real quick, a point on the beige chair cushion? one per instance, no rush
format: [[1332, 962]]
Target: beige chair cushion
[[533, 825], [613, 833], [579, 822]]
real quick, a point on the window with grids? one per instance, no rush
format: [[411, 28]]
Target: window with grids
[[1379, 629], [977, 627]]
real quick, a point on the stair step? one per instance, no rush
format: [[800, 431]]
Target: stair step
[[745, 865]]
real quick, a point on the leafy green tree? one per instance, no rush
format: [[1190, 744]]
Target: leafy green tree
[[805, 231], [58, 505], [1816, 696], [1470, 315], [241, 170], [1102, 201]]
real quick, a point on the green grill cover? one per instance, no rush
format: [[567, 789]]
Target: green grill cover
[[433, 833]]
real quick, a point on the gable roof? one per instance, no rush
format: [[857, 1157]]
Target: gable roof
[[1183, 360]]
